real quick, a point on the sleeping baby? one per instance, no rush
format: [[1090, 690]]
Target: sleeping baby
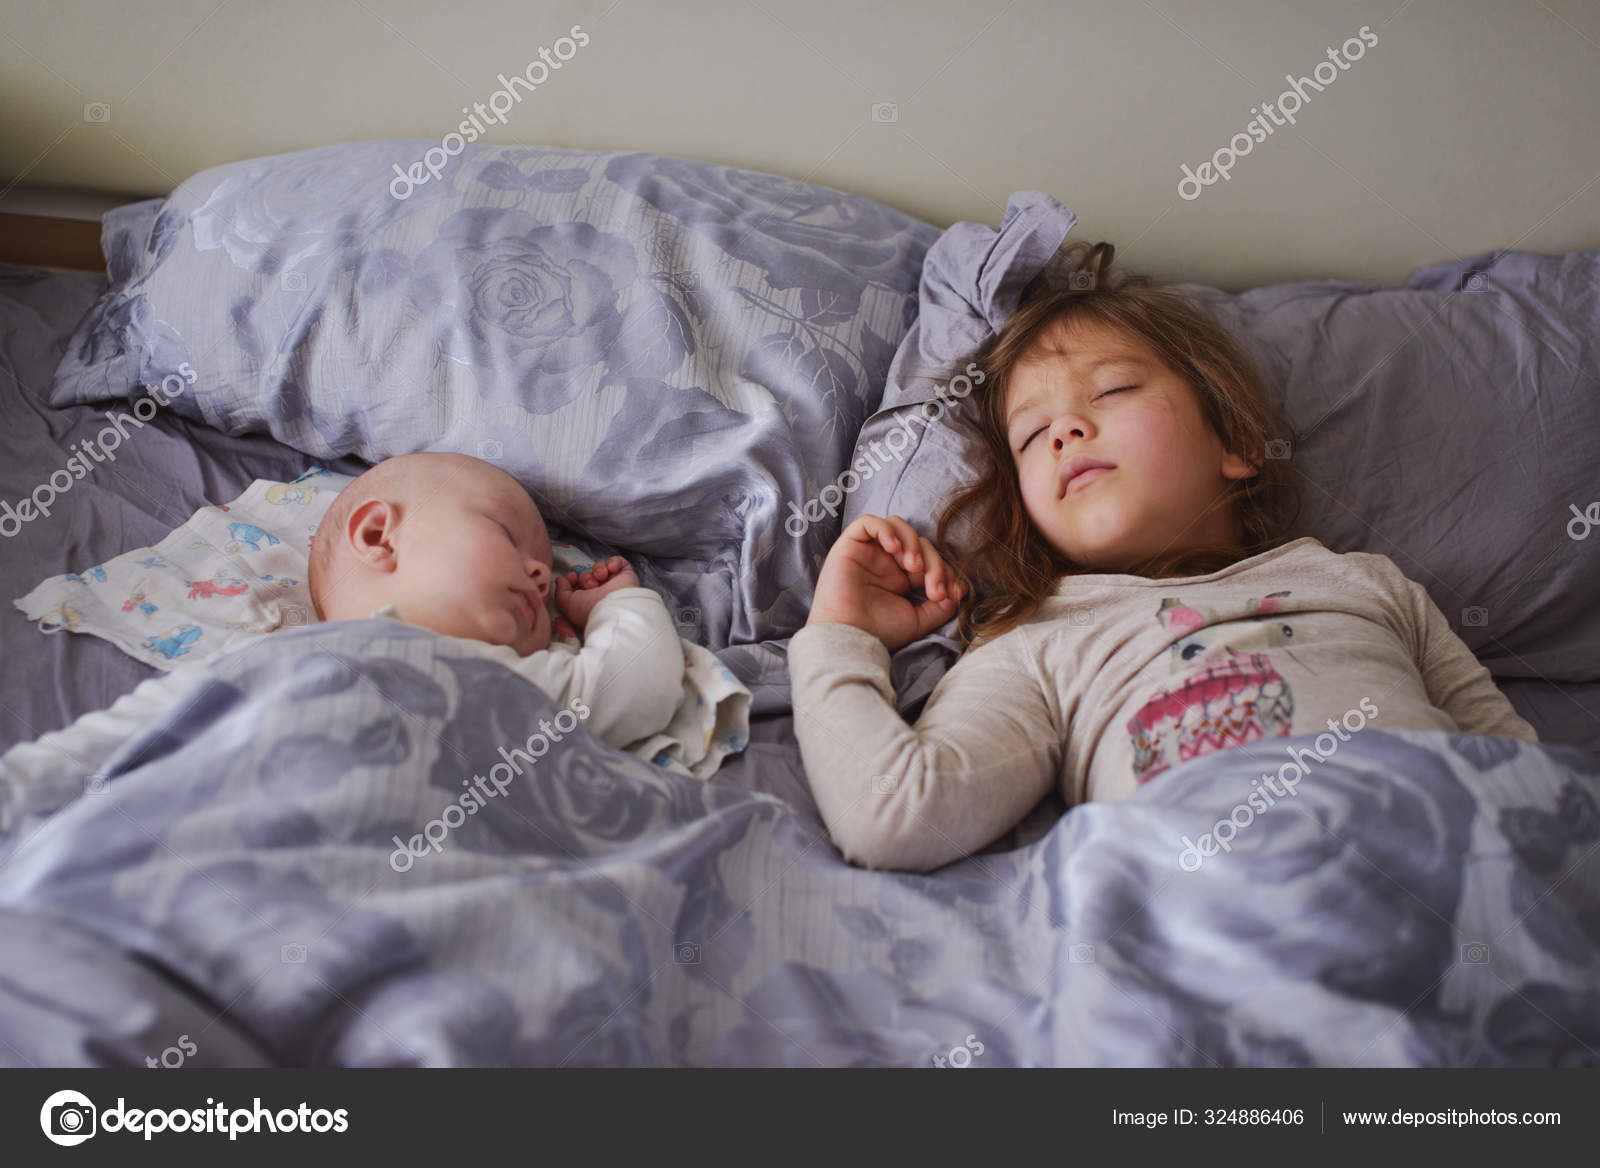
[[452, 544]]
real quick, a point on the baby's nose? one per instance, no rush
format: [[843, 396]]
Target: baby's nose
[[541, 576]]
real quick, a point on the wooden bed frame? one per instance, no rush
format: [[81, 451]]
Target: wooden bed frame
[[44, 242]]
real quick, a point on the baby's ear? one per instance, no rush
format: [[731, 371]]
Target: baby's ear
[[372, 530]]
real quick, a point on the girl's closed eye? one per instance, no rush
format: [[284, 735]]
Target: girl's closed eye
[[1097, 397]]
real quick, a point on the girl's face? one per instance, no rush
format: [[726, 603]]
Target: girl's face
[[1089, 390]]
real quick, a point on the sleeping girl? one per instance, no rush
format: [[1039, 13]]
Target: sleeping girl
[[1129, 596]]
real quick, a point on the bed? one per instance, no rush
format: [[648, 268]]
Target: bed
[[729, 341]]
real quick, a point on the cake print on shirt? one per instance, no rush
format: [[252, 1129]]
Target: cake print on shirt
[[1230, 694]]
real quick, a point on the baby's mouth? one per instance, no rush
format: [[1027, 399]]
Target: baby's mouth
[[525, 603]]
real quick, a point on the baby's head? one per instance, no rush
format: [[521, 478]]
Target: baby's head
[[1109, 368], [455, 544]]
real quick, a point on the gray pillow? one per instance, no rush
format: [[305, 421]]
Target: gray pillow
[[668, 354], [1452, 424]]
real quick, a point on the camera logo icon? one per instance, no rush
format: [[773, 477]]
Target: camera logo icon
[[1475, 616], [293, 281], [883, 784], [1081, 281], [1475, 282], [1475, 953], [68, 1118], [885, 111], [1278, 448], [96, 111], [490, 450], [1081, 614], [686, 953], [1081, 954], [293, 953], [96, 784], [294, 614]]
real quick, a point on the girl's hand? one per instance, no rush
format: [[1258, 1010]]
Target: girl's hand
[[867, 574], [577, 594]]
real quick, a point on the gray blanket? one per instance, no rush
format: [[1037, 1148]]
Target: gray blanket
[[333, 854]]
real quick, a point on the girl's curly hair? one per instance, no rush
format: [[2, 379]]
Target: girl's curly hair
[[1007, 565]]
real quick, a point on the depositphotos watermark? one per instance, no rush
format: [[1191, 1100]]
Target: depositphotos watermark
[[1582, 522], [37, 504], [1290, 102], [479, 792], [960, 1057], [1260, 801], [501, 102], [175, 1055], [70, 1117], [827, 501]]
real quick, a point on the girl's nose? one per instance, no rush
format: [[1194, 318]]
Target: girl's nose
[[1070, 426]]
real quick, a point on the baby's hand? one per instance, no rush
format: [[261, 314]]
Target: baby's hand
[[576, 595]]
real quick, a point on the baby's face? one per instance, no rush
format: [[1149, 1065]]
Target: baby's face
[[474, 560], [1110, 397]]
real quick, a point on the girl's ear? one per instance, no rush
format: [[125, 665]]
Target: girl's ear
[[1234, 467]]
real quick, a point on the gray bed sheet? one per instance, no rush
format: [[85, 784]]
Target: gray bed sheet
[[154, 481], [171, 468]]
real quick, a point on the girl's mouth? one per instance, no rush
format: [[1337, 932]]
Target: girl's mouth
[[1079, 469], [1088, 476]]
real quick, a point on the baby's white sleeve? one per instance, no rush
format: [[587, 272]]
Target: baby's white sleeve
[[628, 674], [39, 776]]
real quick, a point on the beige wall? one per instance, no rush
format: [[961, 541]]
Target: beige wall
[[1469, 125]]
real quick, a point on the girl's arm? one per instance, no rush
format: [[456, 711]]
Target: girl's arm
[[1457, 681], [985, 750]]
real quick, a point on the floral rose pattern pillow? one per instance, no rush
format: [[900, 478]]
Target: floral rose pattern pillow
[[670, 355]]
